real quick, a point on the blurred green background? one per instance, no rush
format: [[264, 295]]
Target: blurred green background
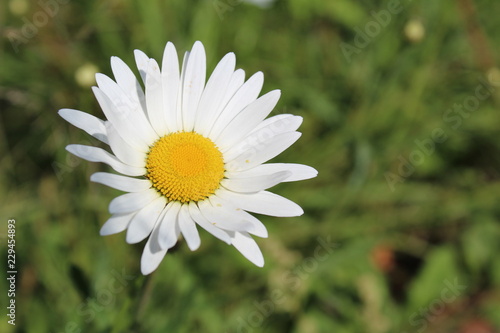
[[401, 229]]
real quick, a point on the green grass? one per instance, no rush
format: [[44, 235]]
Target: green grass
[[419, 255]]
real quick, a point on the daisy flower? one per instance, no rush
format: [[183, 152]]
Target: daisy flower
[[190, 153]]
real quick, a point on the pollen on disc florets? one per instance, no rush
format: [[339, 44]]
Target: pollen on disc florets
[[185, 166]]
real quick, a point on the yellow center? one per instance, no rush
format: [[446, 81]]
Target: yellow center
[[185, 166]]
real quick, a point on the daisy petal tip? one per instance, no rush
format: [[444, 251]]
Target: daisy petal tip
[[109, 229], [165, 243], [293, 210], [99, 77], [300, 119], [130, 238], [147, 267], [94, 176], [98, 177], [115, 207], [231, 54], [312, 172], [71, 148], [257, 260], [117, 64], [145, 271], [198, 44], [316, 173], [257, 79], [194, 247], [105, 231], [95, 89], [63, 113], [298, 211]]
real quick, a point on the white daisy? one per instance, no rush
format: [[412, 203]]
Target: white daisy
[[190, 153]]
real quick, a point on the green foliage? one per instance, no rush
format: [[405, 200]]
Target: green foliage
[[406, 201]]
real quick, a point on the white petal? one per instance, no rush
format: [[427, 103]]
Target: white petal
[[131, 202], [154, 98], [116, 223], [124, 108], [221, 217], [127, 81], [94, 154], [120, 111], [252, 158], [188, 228], [193, 84], [196, 215], [126, 114], [245, 95], [244, 243], [215, 90], [224, 215], [150, 261], [152, 254], [180, 115], [121, 183], [264, 202], [298, 171], [170, 80], [237, 80], [237, 214], [255, 184], [247, 120], [154, 245], [169, 228], [90, 124], [141, 61], [273, 126], [144, 221], [125, 152], [281, 123]]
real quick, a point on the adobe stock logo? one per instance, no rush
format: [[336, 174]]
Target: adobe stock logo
[[223, 6], [420, 319], [105, 297], [371, 29], [291, 281], [30, 28], [427, 146]]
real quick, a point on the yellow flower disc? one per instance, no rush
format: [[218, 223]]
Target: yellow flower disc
[[185, 166]]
